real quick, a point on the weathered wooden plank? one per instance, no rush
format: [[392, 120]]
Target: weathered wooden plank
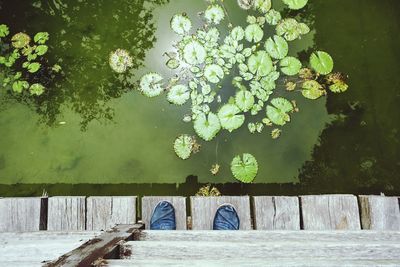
[[20, 214], [66, 213], [203, 210], [276, 213], [179, 203], [143, 250], [272, 262], [330, 212], [105, 212], [380, 213], [102, 246], [272, 236]]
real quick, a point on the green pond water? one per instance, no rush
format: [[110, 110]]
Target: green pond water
[[91, 135]]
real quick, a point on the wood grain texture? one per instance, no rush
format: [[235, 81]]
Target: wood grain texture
[[287, 262], [105, 212], [66, 213], [179, 203], [276, 213], [143, 250], [380, 213], [20, 214], [203, 210], [330, 212], [273, 236]]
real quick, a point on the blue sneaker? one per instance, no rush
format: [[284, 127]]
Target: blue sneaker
[[226, 218], [163, 217]]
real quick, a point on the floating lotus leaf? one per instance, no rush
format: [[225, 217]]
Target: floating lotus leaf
[[262, 5], [41, 37], [290, 29], [20, 40], [214, 14], [207, 126], [150, 84], [277, 47], [183, 146], [277, 111], [172, 63], [260, 63], [36, 89], [273, 17], [33, 67], [178, 94], [19, 86], [120, 60], [321, 62], [181, 24], [194, 53], [312, 90], [295, 4], [244, 100], [290, 66], [338, 87], [245, 4], [4, 31], [229, 118], [41, 50], [303, 28], [254, 33], [237, 33], [213, 73], [244, 168], [212, 36]]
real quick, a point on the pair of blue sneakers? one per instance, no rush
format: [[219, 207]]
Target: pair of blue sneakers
[[163, 218]]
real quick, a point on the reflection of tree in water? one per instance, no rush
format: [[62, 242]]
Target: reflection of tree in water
[[83, 33]]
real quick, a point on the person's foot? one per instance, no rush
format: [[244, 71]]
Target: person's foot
[[226, 218], [163, 217]]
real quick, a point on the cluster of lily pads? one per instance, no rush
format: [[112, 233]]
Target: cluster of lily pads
[[21, 60], [203, 58]]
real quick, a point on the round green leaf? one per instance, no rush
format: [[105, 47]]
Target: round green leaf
[[180, 24], [273, 17], [41, 37], [150, 84], [41, 50], [229, 118], [321, 62], [33, 67], [260, 63], [289, 28], [237, 33], [20, 40], [36, 89], [244, 168], [183, 146], [262, 5], [312, 90], [213, 73], [277, 47], [290, 66], [194, 53], [277, 111], [4, 31], [207, 126], [244, 100], [295, 4], [254, 33], [214, 14], [120, 60], [178, 94], [19, 86], [338, 87]]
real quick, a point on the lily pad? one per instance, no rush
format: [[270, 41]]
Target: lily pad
[[277, 47], [181, 24], [273, 17], [178, 94], [194, 53], [150, 84], [290, 29], [36, 89], [120, 60], [338, 87], [237, 33], [295, 4], [4, 31], [290, 66], [213, 73], [207, 126], [33, 67], [183, 146], [19, 86], [20, 40], [262, 5], [312, 90], [244, 168], [229, 118], [41, 37], [244, 100], [277, 112], [321, 62], [254, 33], [214, 14], [41, 50], [260, 63]]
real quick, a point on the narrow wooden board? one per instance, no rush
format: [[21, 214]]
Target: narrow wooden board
[[203, 210], [380, 213], [105, 212], [330, 212], [20, 214], [102, 246], [179, 203], [276, 213], [66, 213]]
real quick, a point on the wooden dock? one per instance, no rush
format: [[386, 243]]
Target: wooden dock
[[317, 230]]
